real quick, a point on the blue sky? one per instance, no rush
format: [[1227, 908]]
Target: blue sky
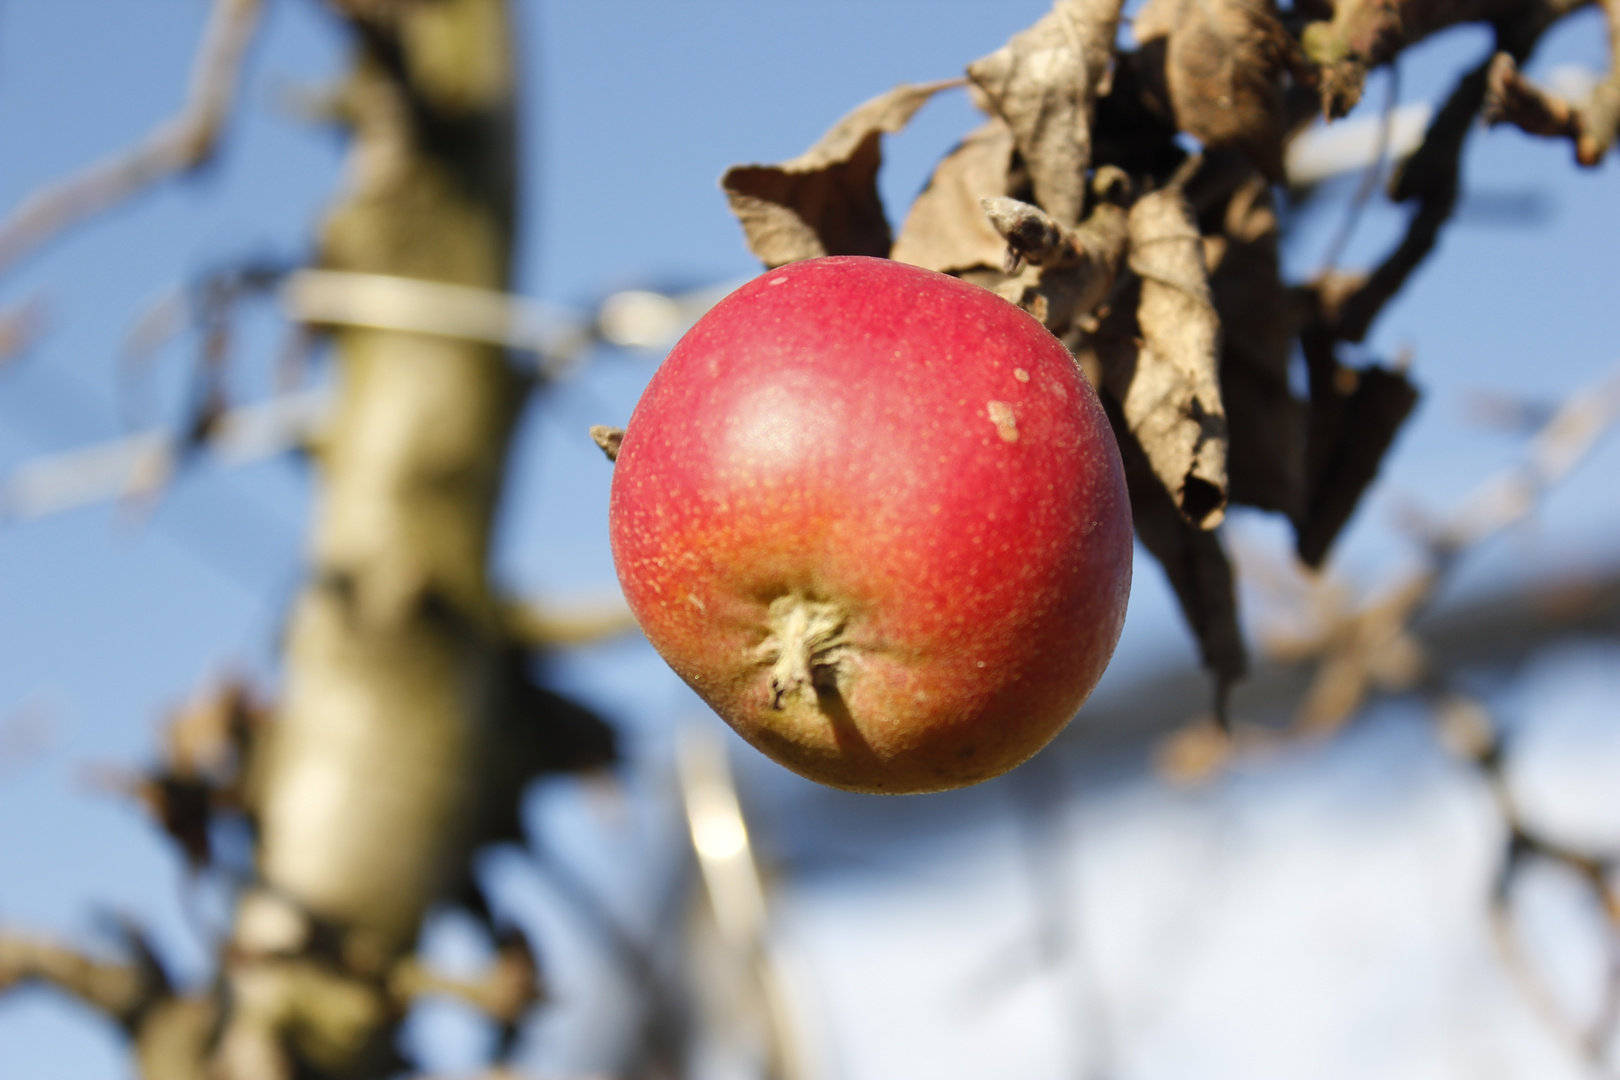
[[632, 110]]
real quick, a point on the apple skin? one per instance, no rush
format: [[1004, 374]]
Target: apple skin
[[875, 517]]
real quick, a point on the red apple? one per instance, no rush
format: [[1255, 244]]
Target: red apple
[[875, 517]]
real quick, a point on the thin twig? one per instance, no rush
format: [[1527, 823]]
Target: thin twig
[[555, 338], [1431, 177], [120, 990], [179, 145], [1467, 728], [1350, 652], [1360, 650], [19, 329], [1369, 176]]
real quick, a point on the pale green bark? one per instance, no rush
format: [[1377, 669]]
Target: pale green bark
[[370, 794]]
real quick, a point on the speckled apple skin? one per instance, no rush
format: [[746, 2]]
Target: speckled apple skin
[[914, 448]]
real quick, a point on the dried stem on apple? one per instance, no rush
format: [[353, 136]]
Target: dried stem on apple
[[608, 438]]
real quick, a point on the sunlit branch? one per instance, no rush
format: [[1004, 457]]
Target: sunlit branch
[[119, 990], [181, 144], [555, 338], [541, 625], [1591, 125]]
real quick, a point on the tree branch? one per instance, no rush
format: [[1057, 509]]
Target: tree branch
[[19, 328], [1357, 651], [1513, 99], [1430, 177], [181, 144], [122, 991], [544, 626], [1466, 727]]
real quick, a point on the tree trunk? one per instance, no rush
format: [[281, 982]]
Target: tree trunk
[[371, 789]]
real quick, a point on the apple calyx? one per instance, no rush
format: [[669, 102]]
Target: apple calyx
[[803, 648]]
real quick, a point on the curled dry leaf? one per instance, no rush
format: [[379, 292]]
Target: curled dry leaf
[[1223, 64], [1043, 83], [1168, 387], [1193, 560], [825, 201], [541, 733], [1354, 418], [945, 229], [1071, 270]]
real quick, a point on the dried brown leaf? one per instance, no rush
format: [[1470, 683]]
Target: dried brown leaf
[[1266, 458], [1168, 387], [1354, 418], [1192, 558], [1265, 422], [1043, 83], [1134, 127], [1224, 63], [1071, 271], [542, 733], [945, 229], [1258, 317], [825, 201]]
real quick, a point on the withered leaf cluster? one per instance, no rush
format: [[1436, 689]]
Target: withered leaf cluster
[[825, 201], [1221, 63], [1158, 266]]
